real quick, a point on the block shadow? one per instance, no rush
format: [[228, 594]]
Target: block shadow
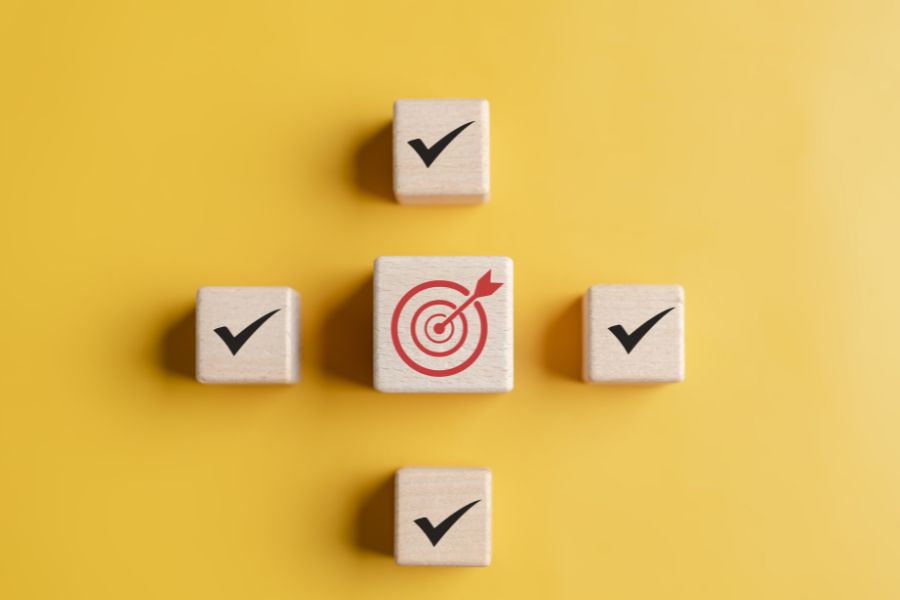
[[375, 520], [373, 164], [347, 337], [178, 346], [562, 342]]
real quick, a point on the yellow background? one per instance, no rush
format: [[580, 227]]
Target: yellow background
[[747, 150]]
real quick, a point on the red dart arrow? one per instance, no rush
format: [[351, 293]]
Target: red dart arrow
[[484, 287]]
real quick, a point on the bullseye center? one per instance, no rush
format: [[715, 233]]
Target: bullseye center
[[439, 328]]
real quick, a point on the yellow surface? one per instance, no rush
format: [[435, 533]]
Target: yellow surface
[[747, 150]]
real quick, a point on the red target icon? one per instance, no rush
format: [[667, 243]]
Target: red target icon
[[431, 330]]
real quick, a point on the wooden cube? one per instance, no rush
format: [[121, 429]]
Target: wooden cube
[[633, 334], [443, 324], [248, 335], [441, 151], [443, 517]]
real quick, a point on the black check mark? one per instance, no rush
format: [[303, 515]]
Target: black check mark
[[630, 340], [234, 342], [428, 155], [436, 533]]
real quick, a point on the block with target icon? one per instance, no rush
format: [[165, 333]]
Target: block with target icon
[[443, 324], [441, 151], [248, 335], [442, 516], [633, 334]]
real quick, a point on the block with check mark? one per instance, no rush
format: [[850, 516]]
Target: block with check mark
[[441, 151], [248, 335], [633, 334], [443, 517]]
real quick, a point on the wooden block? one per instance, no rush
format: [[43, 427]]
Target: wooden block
[[248, 335], [443, 324], [441, 151], [633, 334], [443, 517]]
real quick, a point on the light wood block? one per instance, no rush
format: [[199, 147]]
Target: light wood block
[[443, 517], [441, 151], [633, 334], [443, 324], [248, 335]]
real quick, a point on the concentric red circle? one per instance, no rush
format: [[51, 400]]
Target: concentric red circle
[[431, 325], [415, 335], [395, 333]]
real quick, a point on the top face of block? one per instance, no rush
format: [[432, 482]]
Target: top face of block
[[634, 334], [248, 335], [441, 151], [443, 324], [443, 516]]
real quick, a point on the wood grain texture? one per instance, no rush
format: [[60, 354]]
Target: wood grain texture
[[460, 174], [657, 356], [474, 351], [436, 494], [271, 354]]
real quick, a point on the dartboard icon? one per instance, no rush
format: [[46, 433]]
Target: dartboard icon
[[439, 327]]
